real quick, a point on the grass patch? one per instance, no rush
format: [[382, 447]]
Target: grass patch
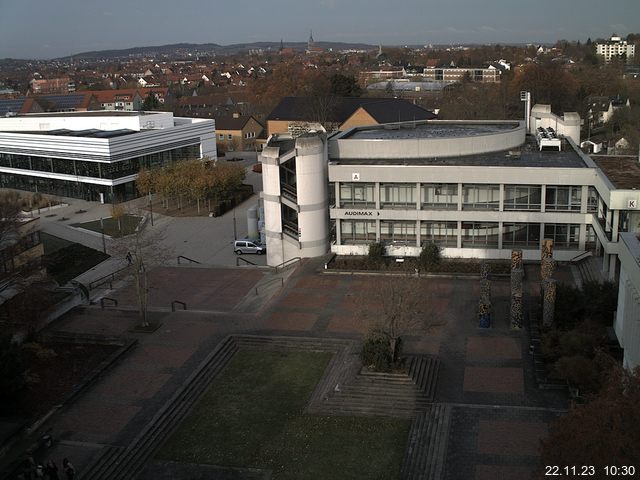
[[53, 244], [67, 262], [127, 225], [252, 416]]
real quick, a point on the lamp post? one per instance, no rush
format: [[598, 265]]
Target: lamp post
[[104, 243], [151, 208]]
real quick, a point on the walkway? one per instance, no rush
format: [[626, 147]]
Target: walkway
[[487, 415]]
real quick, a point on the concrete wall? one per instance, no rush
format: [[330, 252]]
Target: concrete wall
[[359, 118], [313, 206], [627, 320], [568, 125], [427, 147], [271, 200]]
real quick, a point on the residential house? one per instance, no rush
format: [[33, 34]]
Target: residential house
[[615, 47], [52, 86], [293, 114], [601, 109], [127, 100], [238, 132]]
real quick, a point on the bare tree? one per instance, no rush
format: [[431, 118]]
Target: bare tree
[[144, 250], [400, 307]]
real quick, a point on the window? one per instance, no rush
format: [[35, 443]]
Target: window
[[440, 195], [480, 234], [480, 197], [398, 232], [444, 234], [592, 200], [358, 195], [523, 235], [357, 231], [563, 198], [522, 197], [230, 137], [398, 195], [221, 136], [563, 235]]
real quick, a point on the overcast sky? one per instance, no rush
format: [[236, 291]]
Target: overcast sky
[[54, 28]]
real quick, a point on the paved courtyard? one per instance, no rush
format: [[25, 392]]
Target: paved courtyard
[[498, 414]]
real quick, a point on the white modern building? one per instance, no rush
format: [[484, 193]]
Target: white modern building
[[615, 47], [627, 321], [96, 155], [477, 189]]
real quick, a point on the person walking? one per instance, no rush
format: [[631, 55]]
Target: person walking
[[129, 258], [52, 470], [68, 469]]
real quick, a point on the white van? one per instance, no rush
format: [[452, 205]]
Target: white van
[[248, 246]]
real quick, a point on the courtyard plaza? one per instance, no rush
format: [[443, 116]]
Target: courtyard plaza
[[497, 415]]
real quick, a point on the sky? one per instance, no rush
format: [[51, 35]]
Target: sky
[[46, 29]]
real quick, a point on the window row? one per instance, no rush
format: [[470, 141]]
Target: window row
[[473, 196], [473, 234], [112, 170]]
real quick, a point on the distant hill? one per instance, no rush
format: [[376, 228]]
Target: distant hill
[[212, 48]]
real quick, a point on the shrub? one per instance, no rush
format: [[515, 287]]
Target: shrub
[[376, 251], [12, 380], [580, 371], [376, 353], [430, 256]]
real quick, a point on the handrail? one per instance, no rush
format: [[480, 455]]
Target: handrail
[[173, 305], [107, 278], [286, 263], [580, 256], [273, 280], [191, 260], [238, 259], [115, 302]]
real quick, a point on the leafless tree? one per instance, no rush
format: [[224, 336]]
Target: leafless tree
[[399, 307], [144, 250]]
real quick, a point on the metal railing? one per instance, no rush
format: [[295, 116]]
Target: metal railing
[[240, 259], [190, 260], [286, 264], [113, 301], [580, 257], [281, 280], [178, 302], [107, 279]]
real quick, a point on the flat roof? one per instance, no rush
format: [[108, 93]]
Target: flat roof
[[90, 113], [527, 155], [429, 129], [88, 133], [622, 170]]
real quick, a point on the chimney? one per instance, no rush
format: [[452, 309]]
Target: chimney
[[236, 115]]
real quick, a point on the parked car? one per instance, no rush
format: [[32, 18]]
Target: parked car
[[248, 246]]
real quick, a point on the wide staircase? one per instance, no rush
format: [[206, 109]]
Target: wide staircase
[[427, 446], [120, 463], [591, 269], [115, 462], [384, 394]]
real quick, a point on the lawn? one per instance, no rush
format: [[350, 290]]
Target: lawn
[[127, 225], [53, 244], [66, 260], [253, 416]]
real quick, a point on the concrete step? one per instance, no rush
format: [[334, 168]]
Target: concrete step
[[127, 462], [426, 452]]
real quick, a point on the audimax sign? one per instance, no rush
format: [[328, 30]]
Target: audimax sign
[[361, 213]]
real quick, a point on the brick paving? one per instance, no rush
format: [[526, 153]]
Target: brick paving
[[482, 348], [487, 367], [510, 437], [494, 380]]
